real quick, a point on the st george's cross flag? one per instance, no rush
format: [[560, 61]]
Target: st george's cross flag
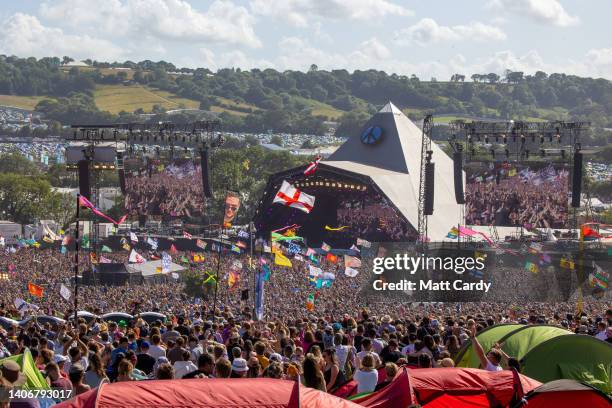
[[312, 167], [135, 257], [290, 196]]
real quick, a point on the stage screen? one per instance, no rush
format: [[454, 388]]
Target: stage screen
[[170, 188], [530, 195], [373, 218]]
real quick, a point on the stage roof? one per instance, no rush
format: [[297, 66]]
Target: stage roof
[[394, 165]]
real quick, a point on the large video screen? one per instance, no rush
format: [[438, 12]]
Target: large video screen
[[529, 195], [170, 189], [373, 218]]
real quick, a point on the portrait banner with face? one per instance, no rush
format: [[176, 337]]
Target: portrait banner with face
[[232, 205]]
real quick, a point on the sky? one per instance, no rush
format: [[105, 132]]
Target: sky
[[431, 38]]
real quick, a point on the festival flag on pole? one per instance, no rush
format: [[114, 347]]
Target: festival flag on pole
[[35, 290], [187, 235], [310, 302], [259, 296], [93, 258], [47, 239], [22, 306], [313, 166], [566, 263], [153, 243], [290, 196], [135, 257], [210, 278], [173, 249], [282, 260], [341, 228], [200, 244], [235, 249], [127, 246], [325, 247], [531, 267], [84, 202], [266, 271], [310, 252], [104, 259], [106, 249], [355, 248], [314, 271], [63, 250], [352, 262], [267, 248], [348, 271], [133, 237], [166, 261], [65, 292], [232, 279]]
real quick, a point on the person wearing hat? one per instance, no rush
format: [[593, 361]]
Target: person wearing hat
[[11, 372], [60, 361], [239, 368], [145, 361]]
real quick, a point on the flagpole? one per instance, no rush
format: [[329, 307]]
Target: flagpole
[[251, 227], [76, 263]]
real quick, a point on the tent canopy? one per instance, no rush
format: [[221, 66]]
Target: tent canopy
[[519, 342], [567, 393], [487, 339], [202, 393], [573, 356]]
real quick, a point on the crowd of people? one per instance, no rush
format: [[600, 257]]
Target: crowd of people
[[346, 335], [501, 198], [169, 190]]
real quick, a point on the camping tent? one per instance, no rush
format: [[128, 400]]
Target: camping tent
[[456, 387], [487, 339], [34, 379], [565, 393], [574, 356], [519, 342], [202, 393]]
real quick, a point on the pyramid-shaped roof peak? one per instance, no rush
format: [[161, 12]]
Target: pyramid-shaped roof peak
[[391, 108]]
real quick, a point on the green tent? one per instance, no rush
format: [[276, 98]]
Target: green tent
[[487, 339], [519, 342], [573, 356], [28, 368]]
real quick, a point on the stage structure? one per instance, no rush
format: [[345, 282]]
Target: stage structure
[[371, 185]]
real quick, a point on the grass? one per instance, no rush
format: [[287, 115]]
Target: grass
[[23, 102], [103, 71], [231, 103], [220, 109], [320, 108], [117, 98]]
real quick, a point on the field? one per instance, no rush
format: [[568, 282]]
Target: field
[[23, 102], [117, 98], [320, 108]]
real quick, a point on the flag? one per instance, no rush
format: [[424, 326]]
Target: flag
[[173, 249], [166, 261], [133, 237], [355, 248], [184, 259], [298, 257], [35, 290], [325, 247], [566, 263], [266, 271], [127, 246], [200, 244], [259, 297], [531, 267], [290, 196], [135, 257], [314, 271], [235, 249], [174, 275], [47, 239], [104, 259], [241, 244], [22, 306], [106, 249], [313, 166], [232, 279], [331, 258], [512, 173], [282, 260], [589, 233], [2, 241], [310, 252], [158, 269], [210, 278], [84, 202], [153, 243], [65, 292], [352, 261], [328, 228], [63, 250], [267, 249], [348, 271], [243, 234], [313, 258], [93, 258], [187, 235], [293, 248], [363, 243], [453, 233], [323, 283], [310, 302], [277, 237]]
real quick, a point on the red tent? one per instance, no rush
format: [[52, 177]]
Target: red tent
[[204, 393], [565, 393], [456, 387]]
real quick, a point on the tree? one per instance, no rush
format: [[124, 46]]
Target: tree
[[277, 140], [313, 68], [66, 60], [492, 77], [24, 199]]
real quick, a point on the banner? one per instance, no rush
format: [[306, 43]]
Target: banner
[[65, 292], [84, 202], [259, 297], [232, 205], [35, 290], [166, 261], [351, 261], [350, 272]]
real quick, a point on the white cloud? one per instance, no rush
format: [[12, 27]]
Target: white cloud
[[428, 31], [374, 49], [299, 12], [24, 35], [146, 20], [230, 59], [543, 11]]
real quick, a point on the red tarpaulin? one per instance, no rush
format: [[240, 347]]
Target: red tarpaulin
[[203, 393], [425, 386]]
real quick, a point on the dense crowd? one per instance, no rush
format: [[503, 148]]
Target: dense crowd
[[345, 336], [536, 198], [166, 191]]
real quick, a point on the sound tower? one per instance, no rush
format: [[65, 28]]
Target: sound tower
[[429, 188], [458, 172], [204, 159], [577, 180], [84, 189], [121, 172]]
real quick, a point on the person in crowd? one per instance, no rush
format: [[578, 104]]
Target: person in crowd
[[313, 376], [76, 376], [95, 374], [367, 375]]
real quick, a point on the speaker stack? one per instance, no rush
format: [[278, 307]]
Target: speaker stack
[[458, 177], [577, 180]]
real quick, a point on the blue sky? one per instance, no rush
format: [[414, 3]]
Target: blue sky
[[432, 38]]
